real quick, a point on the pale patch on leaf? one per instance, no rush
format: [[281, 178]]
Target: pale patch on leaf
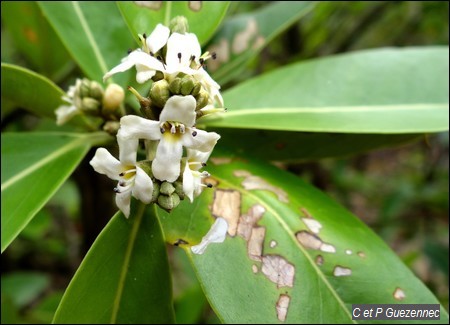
[[308, 240], [327, 248], [154, 5], [241, 41], [252, 182], [278, 270], [255, 244], [227, 205], [312, 224], [195, 5], [342, 271], [282, 307], [399, 294], [273, 244], [248, 221], [220, 160], [254, 268], [319, 260], [222, 50]]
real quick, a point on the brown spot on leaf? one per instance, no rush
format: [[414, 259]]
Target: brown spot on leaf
[[255, 243], [220, 160], [282, 307], [247, 221], [306, 212], [327, 248], [195, 5], [30, 35], [227, 205], [153, 5], [361, 254], [211, 180], [278, 270], [399, 294], [254, 268], [312, 224], [259, 42], [319, 260], [341, 271], [273, 244], [252, 182]]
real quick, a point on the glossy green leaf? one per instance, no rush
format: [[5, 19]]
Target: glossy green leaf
[[35, 39], [242, 37], [203, 17], [24, 287], [30, 90], [338, 262], [94, 33], [124, 278], [34, 166], [373, 91], [294, 146]]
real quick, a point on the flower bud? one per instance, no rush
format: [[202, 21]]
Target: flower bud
[[168, 202], [158, 76], [167, 188], [84, 88], [159, 93], [179, 24], [175, 86], [155, 193], [187, 84], [179, 189], [96, 90], [202, 99], [111, 127], [196, 90], [90, 105], [114, 96]]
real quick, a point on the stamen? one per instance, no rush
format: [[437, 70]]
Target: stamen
[[115, 189], [214, 55], [162, 129], [182, 128], [209, 185], [203, 164], [129, 51], [144, 35], [205, 174], [173, 129], [194, 133], [192, 58], [179, 57]]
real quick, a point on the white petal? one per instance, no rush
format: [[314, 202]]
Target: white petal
[[203, 141], [104, 163], [143, 186], [180, 109], [127, 149], [187, 45], [65, 113], [143, 73], [166, 166], [132, 126], [216, 234], [188, 183], [198, 156], [158, 38], [137, 57], [123, 202], [210, 85]]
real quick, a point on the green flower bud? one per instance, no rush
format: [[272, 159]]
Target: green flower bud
[[196, 89], [111, 127], [202, 99], [179, 189], [90, 105], [155, 193], [158, 76], [114, 96], [187, 84], [175, 86], [169, 202], [84, 89], [146, 166], [96, 90], [179, 24], [159, 94], [167, 188]]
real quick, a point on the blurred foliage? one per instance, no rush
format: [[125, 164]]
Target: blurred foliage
[[402, 194]]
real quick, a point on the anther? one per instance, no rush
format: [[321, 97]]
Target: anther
[[122, 174], [115, 189], [201, 60], [192, 58], [162, 129], [209, 185], [179, 57], [214, 55], [173, 129], [194, 133], [203, 164], [144, 35], [129, 51]]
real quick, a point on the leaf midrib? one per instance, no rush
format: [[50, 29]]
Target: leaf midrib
[[296, 243]]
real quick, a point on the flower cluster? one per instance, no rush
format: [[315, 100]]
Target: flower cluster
[[181, 92]]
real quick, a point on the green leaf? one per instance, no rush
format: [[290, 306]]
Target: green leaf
[[124, 277], [30, 90], [24, 287], [374, 91], [35, 39], [240, 276], [143, 17], [242, 37], [94, 33], [35, 165], [294, 146]]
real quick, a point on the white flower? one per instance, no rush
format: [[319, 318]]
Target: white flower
[[144, 60], [183, 51], [174, 131], [216, 234], [65, 112], [133, 180], [192, 178]]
